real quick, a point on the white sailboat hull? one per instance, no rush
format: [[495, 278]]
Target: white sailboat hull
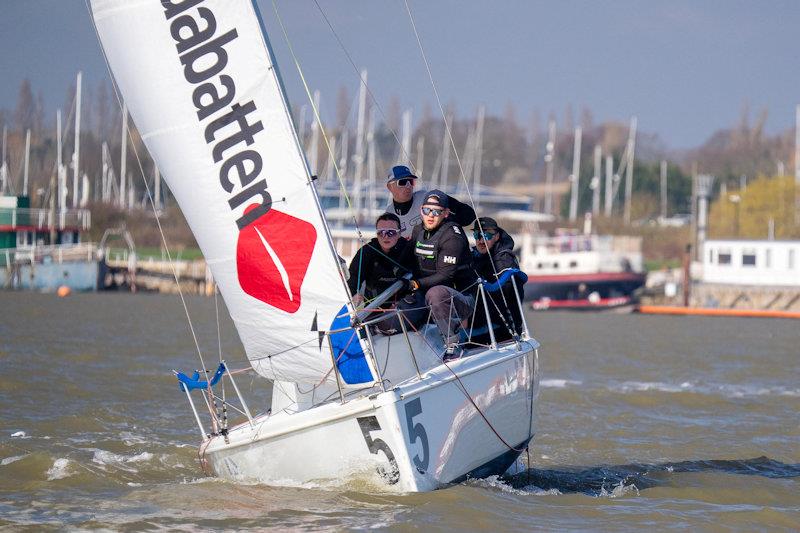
[[420, 435]]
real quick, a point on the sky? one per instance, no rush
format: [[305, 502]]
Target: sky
[[685, 68]]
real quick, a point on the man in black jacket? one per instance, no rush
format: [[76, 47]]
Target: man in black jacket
[[443, 268], [492, 256], [377, 265]]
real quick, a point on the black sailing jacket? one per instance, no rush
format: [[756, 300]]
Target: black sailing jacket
[[442, 257], [377, 268]]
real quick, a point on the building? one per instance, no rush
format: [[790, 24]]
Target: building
[[752, 262]]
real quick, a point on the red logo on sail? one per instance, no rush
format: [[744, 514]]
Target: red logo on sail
[[272, 257]]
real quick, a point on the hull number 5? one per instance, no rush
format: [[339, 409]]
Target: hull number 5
[[416, 431], [368, 424]]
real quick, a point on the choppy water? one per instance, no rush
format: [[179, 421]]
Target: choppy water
[[646, 422]]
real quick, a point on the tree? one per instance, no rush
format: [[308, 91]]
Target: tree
[[25, 112]]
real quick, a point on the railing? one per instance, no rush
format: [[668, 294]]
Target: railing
[[61, 253], [44, 219]]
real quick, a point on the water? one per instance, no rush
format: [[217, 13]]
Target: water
[[646, 422]]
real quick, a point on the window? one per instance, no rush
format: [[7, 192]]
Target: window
[[791, 258], [724, 257], [768, 258], [573, 264], [748, 257], [711, 256]]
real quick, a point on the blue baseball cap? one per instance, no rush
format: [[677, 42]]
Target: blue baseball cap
[[436, 197], [400, 172]]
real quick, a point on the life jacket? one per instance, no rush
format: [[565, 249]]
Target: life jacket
[[442, 256]]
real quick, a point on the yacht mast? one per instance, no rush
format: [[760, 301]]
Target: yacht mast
[[598, 170], [575, 176], [76, 156], [549, 159]]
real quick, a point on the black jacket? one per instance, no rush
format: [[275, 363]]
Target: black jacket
[[377, 268], [442, 257], [502, 255]]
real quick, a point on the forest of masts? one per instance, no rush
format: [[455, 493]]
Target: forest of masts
[[89, 153]]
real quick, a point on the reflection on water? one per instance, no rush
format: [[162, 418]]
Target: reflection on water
[[677, 421]]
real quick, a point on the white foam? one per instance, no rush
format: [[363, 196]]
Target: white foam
[[12, 459], [59, 470], [644, 386], [19, 434], [106, 458], [558, 383], [619, 490]]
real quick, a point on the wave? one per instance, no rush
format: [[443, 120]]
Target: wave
[[727, 390], [59, 470]]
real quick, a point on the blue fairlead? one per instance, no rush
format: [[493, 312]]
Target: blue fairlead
[[194, 382]]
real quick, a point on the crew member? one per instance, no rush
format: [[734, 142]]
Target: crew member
[[493, 256], [443, 268], [406, 202], [377, 265]]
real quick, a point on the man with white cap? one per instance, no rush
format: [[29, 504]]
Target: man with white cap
[[406, 202]]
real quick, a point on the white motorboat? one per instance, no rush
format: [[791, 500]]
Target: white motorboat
[[202, 86]]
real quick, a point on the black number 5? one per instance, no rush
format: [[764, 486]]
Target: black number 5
[[367, 425], [417, 431]]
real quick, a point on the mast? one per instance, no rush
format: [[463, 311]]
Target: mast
[[420, 155], [405, 155], [314, 163], [62, 172], [27, 162], [575, 176], [797, 165], [663, 188], [445, 155], [3, 165], [598, 164], [359, 156], [549, 158], [629, 169], [123, 156], [76, 156], [156, 186], [479, 155], [609, 185], [372, 162]]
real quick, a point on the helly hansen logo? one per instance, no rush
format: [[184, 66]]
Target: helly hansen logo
[[272, 256], [449, 259]]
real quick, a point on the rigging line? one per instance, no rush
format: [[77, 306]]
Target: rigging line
[[369, 91], [149, 194], [317, 117], [448, 130]]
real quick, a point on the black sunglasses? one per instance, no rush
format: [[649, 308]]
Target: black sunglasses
[[387, 232], [405, 182]]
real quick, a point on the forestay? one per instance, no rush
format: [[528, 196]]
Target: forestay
[[200, 83]]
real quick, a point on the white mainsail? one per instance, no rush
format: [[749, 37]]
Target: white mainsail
[[200, 82]]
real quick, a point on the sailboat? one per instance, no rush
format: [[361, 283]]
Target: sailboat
[[202, 86]]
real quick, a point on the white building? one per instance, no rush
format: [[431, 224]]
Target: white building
[[751, 262]]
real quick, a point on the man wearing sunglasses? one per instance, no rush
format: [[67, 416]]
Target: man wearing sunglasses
[[443, 268], [492, 256], [377, 265], [406, 202]]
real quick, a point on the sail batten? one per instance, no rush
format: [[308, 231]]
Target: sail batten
[[201, 85]]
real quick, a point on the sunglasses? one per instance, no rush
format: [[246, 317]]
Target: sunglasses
[[387, 233], [430, 211], [405, 182], [486, 235]]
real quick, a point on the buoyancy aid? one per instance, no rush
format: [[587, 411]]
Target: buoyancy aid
[[442, 257]]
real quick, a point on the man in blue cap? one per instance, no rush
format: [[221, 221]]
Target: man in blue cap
[[406, 202]]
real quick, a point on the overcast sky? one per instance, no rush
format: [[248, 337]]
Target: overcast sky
[[685, 68]]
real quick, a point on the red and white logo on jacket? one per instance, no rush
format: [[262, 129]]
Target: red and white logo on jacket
[[272, 257]]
